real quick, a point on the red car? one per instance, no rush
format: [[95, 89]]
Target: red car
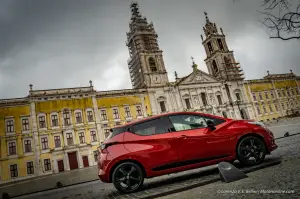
[[176, 142]]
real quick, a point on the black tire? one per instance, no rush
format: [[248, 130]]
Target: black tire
[[231, 161], [128, 177], [251, 147]]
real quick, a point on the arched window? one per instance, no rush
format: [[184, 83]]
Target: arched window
[[152, 64], [220, 44], [215, 67], [210, 47], [227, 61], [238, 95], [186, 98]]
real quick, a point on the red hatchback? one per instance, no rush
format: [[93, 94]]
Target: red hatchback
[[177, 142]]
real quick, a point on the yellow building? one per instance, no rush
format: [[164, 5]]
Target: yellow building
[[55, 130], [274, 96]]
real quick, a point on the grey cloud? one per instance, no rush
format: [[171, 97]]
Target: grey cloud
[[61, 43]]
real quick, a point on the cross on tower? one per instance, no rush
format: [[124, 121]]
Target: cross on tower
[[207, 20], [192, 58]]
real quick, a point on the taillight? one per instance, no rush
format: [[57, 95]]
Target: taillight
[[103, 146]]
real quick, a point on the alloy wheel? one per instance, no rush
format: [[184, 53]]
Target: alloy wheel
[[128, 177], [251, 151]]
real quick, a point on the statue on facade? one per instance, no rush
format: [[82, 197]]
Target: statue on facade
[[196, 100]]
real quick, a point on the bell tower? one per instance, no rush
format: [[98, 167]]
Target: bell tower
[[146, 65], [220, 60]]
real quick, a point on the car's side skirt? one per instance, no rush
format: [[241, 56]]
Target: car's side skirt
[[187, 162]]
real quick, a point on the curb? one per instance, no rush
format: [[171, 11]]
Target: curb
[[69, 185], [287, 136], [216, 179]]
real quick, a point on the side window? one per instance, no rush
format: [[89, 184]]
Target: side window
[[151, 127], [215, 120], [187, 122]]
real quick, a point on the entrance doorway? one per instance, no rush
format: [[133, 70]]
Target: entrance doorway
[[85, 161], [73, 160], [60, 165]]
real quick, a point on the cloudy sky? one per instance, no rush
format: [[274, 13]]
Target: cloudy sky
[[66, 43]]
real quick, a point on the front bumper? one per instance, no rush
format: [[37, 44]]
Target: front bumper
[[104, 177], [272, 145]]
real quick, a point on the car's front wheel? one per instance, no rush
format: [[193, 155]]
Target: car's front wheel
[[251, 150], [128, 177]]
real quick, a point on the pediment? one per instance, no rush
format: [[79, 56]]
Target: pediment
[[197, 77]]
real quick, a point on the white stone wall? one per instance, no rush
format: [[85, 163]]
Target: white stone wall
[[174, 99]]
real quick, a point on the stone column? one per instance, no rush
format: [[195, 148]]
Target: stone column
[[224, 94], [55, 166], [143, 105], [153, 103], [36, 142], [252, 102], [3, 148], [91, 157], [169, 103], [199, 98], [66, 162], [175, 95], [79, 158], [171, 100], [181, 100], [278, 99], [191, 100], [65, 138], [97, 118], [20, 145]]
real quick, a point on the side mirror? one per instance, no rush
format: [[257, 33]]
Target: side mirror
[[211, 125]]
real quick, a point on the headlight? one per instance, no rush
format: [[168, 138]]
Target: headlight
[[263, 126], [258, 124]]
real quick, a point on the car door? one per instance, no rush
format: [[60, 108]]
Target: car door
[[152, 144], [219, 141], [191, 134]]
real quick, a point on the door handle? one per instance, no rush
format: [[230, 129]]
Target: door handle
[[183, 136]]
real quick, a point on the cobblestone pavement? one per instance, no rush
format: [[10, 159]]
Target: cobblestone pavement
[[288, 125], [280, 129], [283, 177], [47, 182], [288, 148], [279, 178]]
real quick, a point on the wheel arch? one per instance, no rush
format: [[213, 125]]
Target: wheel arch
[[248, 135], [126, 160]]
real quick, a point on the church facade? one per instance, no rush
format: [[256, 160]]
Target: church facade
[[220, 92], [57, 130]]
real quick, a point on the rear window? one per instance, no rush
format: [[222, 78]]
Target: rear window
[[115, 131], [150, 127]]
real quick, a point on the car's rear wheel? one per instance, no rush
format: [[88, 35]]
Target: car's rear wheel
[[128, 177], [251, 150]]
